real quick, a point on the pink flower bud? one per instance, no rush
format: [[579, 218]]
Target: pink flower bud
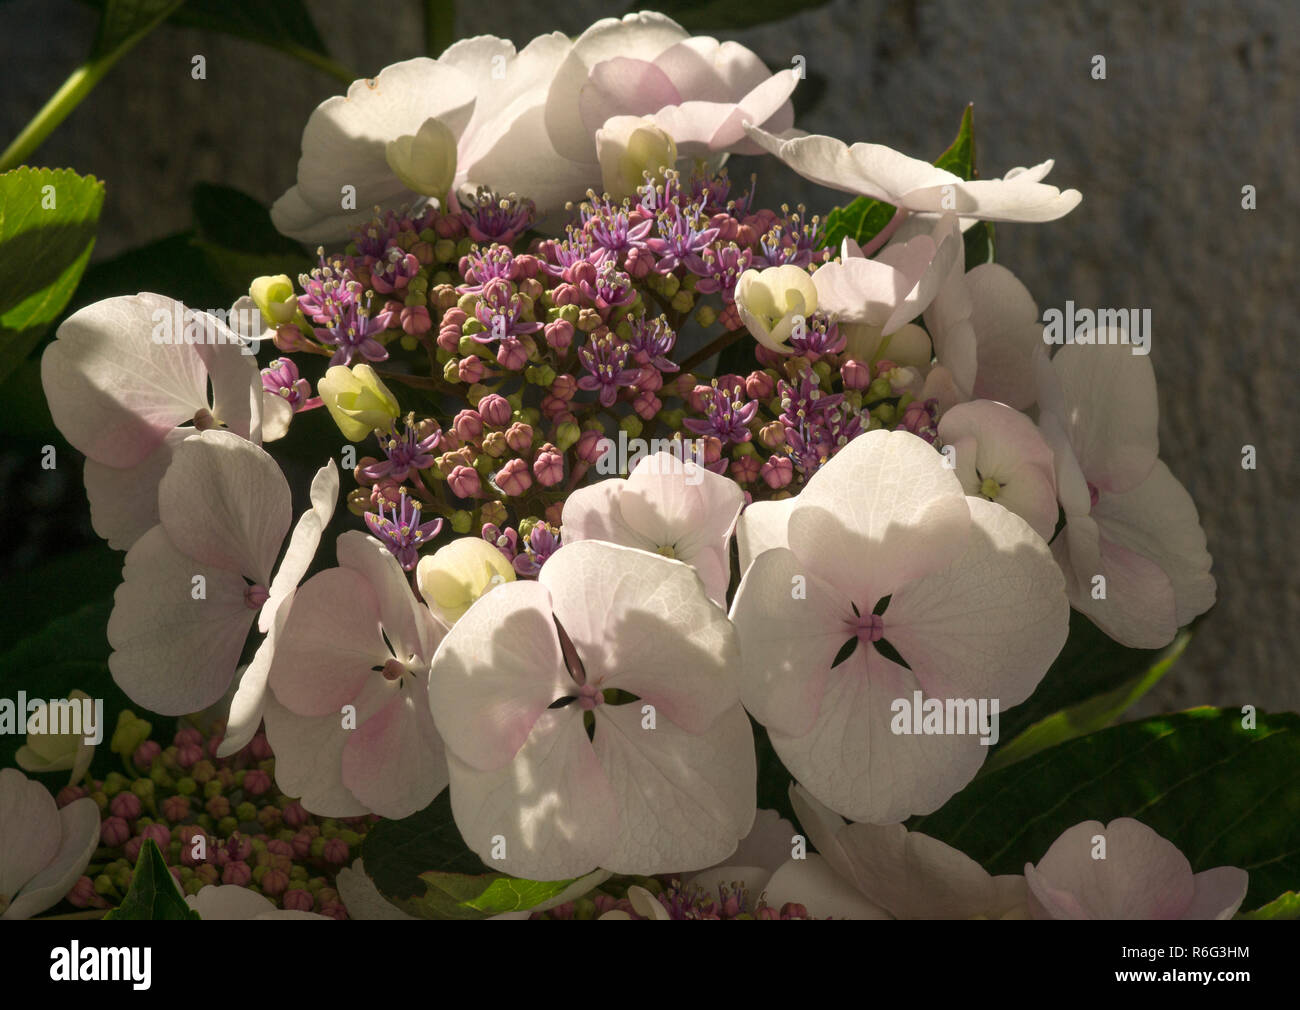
[[548, 467], [513, 478], [159, 833], [335, 851], [745, 469], [146, 753], [69, 794], [759, 385], [468, 425], [218, 807], [176, 808], [768, 358], [188, 754], [591, 446], [415, 320], [777, 472], [565, 387], [259, 747], [582, 271], [298, 900], [552, 405], [464, 482], [554, 512], [114, 831], [639, 263], [333, 910], [495, 410], [288, 338], [125, 805], [511, 354], [855, 374], [772, 434], [712, 449], [301, 845], [83, 894], [275, 882], [559, 334], [646, 405], [238, 873], [256, 782], [295, 815], [649, 379], [519, 437], [187, 735], [566, 294], [207, 873], [471, 369]]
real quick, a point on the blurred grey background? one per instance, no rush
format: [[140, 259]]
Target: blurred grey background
[[1200, 99]]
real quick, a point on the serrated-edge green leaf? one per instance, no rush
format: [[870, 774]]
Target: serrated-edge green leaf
[[150, 896]]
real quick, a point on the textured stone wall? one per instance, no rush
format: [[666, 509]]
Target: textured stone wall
[[1200, 99]]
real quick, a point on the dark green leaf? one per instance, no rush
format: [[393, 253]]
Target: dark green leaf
[[397, 852], [1223, 794], [153, 894], [225, 216], [716, 14], [285, 22], [979, 244], [1090, 664], [43, 251], [1088, 716], [773, 779], [124, 21], [959, 159], [460, 896]]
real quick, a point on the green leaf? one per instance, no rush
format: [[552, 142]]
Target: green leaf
[[773, 777], [396, 853], [279, 24], [1088, 716], [43, 251], [1091, 664], [979, 244], [864, 218], [460, 896], [694, 15], [123, 22], [1223, 794], [153, 894], [1285, 906]]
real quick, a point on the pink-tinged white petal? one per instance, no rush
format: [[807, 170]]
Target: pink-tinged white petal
[[790, 624], [1108, 409], [1008, 331], [173, 653], [994, 442], [911, 875], [114, 391], [813, 883], [1134, 600], [496, 673], [624, 86], [30, 831], [639, 36], [593, 513], [124, 500], [852, 761], [408, 626], [225, 503], [78, 826], [684, 799], [1142, 876], [345, 144], [762, 527], [236, 382], [1218, 893], [551, 805], [303, 541], [329, 645], [247, 705], [990, 624], [1158, 520], [227, 901], [394, 762], [883, 512], [643, 623], [309, 759]]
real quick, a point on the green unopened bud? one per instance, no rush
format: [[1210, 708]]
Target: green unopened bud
[[879, 389], [744, 449], [530, 416], [493, 512], [705, 315], [477, 392], [526, 526], [672, 284], [570, 314], [408, 342], [275, 299], [588, 320], [246, 811], [444, 250], [823, 368], [683, 301], [672, 418], [104, 886], [451, 370], [461, 521], [494, 444], [228, 825], [632, 425], [115, 782], [130, 733], [567, 434], [469, 326], [884, 413], [211, 788], [187, 786]]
